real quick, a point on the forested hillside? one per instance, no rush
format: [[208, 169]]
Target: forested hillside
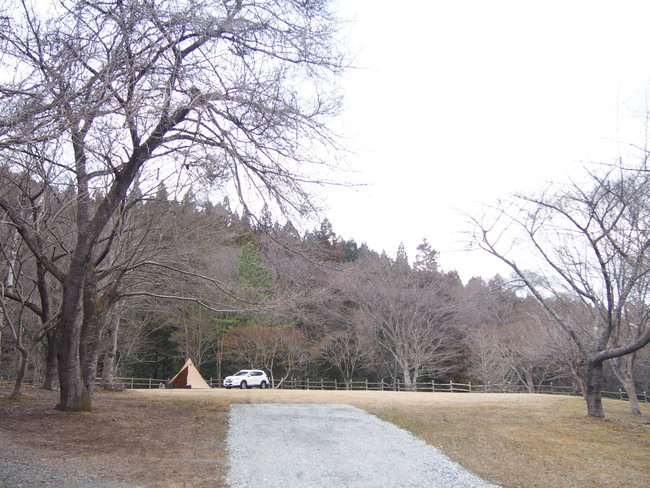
[[195, 279]]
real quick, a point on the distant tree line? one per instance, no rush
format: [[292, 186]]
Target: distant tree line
[[194, 279]]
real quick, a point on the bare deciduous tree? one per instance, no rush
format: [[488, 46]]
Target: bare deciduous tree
[[26, 291], [591, 243], [344, 351], [124, 89], [278, 350], [635, 321], [407, 314], [486, 362]]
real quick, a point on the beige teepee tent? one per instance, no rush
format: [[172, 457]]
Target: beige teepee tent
[[188, 377]]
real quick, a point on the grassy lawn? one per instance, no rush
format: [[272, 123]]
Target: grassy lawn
[[547, 442], [512, 440]]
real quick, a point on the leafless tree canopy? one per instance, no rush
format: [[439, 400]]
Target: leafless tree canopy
[[235, 89], [408, 315], [590, 263], [98, 93]]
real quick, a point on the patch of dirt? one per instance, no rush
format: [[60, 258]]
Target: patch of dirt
[[126, 438]]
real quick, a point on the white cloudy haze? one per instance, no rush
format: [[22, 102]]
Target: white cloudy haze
[[456, 103]]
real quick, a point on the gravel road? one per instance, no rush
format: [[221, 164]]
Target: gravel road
[[323, 446]]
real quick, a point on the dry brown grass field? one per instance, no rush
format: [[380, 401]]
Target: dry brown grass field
[[169, 438]]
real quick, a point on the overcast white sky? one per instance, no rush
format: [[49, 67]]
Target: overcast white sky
[[458, 102]]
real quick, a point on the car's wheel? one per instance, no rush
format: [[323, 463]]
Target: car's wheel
[[243, 385], [263, 385]]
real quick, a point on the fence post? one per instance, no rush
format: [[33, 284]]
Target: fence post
[[433, 386], [336, 384], [451, 386], [132, 382], [470, 387], [366, 384]]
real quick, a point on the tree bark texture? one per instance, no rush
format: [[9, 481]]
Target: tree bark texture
[[593, 394], [74, 395], [22, 368], [108, 369], [51, 365], [90, 333]]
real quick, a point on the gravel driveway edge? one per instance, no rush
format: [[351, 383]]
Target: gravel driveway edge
[[332, 446]]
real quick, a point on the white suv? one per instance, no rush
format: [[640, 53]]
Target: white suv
[[247, 378]]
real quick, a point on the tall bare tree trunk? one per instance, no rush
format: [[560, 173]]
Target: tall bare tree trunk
[[219, 358], [108, 369], [51, 369], [74, 395], [91, 329], [624, 370]]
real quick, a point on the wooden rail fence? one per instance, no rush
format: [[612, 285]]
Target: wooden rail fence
[[429, 386]]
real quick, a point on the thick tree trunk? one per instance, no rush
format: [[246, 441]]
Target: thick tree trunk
[[74, 395], [89, 351], [594, 388], [51, 369], [90, 334], [408, 381]]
